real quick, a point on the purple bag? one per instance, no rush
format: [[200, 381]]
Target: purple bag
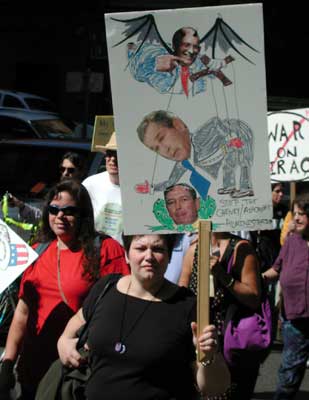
[[248, 330]]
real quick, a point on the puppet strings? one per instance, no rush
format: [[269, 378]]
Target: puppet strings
[[154, 169], [156, 159], [235, 96], [213, 96], [172, 94]]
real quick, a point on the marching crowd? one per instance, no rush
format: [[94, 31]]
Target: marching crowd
[[142, 336]]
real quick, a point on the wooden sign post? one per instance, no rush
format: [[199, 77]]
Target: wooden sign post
[[292, 192], [204, 230]]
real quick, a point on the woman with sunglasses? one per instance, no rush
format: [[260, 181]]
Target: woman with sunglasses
[[54, 287], [72, 166]]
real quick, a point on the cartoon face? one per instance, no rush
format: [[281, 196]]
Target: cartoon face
[[172, 143], [181, 205], [189, 47]]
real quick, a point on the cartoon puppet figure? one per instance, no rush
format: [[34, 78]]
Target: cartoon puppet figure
[[226, 144], [184, 66]]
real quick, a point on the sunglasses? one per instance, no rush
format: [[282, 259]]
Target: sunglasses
[[68, 210], [70, 170]]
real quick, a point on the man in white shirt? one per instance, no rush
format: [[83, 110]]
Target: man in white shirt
[[104, 191]]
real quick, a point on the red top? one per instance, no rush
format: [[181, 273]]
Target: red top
[[39, 286]]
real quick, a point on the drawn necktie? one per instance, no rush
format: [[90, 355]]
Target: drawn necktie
[[184, 75], [200, 183]]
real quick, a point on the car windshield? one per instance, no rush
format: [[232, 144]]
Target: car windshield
[[40, 104], [53, 127]]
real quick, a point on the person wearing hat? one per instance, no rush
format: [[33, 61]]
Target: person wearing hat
[[104, 191]]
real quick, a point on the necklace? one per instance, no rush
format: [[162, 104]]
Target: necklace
[[59, 278], [120, 347]]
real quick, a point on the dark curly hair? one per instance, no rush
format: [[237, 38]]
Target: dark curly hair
[[85, 232]]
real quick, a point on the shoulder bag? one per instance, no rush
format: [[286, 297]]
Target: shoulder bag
[[247, 329], [62, 383]]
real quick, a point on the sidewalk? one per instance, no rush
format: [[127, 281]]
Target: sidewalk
[[267, 381]]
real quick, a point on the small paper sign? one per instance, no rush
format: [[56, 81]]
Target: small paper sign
[[102, 132]]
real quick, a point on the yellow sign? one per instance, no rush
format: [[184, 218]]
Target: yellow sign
[[102, 132]]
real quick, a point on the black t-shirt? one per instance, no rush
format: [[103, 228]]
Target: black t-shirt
[[159, 350]]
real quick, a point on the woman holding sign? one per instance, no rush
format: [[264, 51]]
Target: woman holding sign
[[142, 336]]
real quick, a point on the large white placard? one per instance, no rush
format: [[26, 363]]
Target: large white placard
[[189, 98], [15, 256], [288, 136]]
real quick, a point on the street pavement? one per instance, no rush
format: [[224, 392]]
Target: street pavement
[[267, 380]]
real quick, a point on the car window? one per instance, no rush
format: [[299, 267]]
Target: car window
[[21, 167], [13, 128], [39, 104], [12, 102], [52, 126]]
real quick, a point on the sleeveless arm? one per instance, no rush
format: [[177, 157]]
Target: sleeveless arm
[[187, 266]]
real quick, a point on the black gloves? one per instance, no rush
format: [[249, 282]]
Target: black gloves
[[7, 378], [222, 276]]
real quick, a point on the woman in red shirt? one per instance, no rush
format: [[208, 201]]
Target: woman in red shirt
[[54, 287]]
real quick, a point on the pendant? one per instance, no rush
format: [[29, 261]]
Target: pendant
[[120, 348]]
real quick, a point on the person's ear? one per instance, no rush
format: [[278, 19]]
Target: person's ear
[[179, 125], [127, 258]]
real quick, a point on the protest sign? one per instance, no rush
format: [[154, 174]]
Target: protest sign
[[15, 256], [102, 131], [288, 136], [189, 100]]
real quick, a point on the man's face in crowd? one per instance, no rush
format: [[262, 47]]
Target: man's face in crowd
[[189, 48], [68, 170], [111, 162], [277, 194], [181, 206], [171, 143], [300, 218]]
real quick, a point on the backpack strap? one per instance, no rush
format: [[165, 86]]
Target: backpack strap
[[229, 251], [83, 333], [42, 247], [232, 259]]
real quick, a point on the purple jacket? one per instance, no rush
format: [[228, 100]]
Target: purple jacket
[[293, 265]]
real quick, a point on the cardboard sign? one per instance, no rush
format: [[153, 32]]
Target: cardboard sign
[[189, 97], [102, 131], [15, 256]]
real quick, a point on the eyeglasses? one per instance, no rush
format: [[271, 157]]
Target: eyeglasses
[[70, 170], [68, 210]]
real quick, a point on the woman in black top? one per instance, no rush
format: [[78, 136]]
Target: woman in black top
[[142, 339]]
